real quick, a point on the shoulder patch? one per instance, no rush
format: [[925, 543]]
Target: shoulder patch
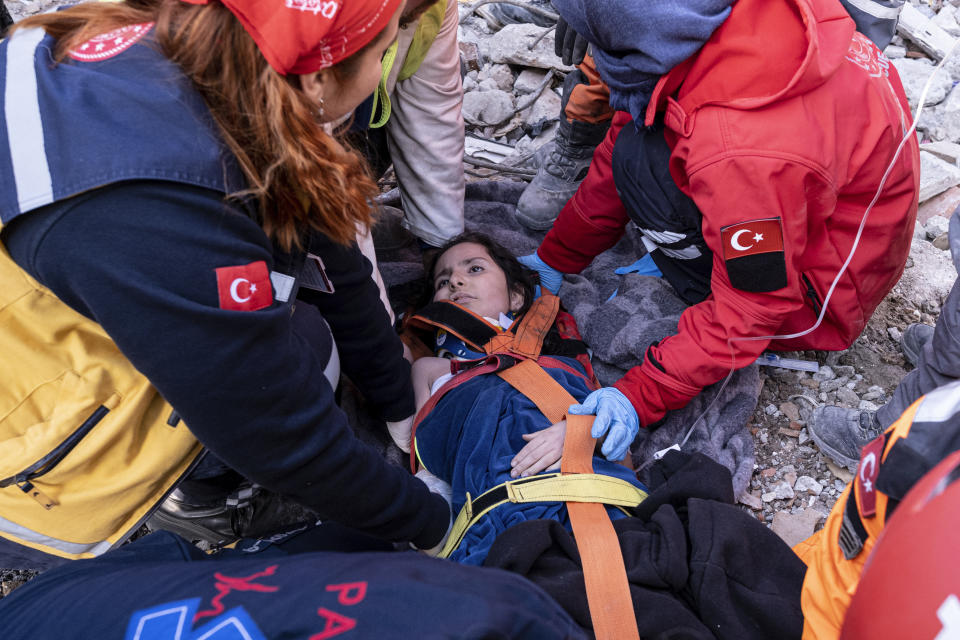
[[754, 256], [110, 44], [245, 287]]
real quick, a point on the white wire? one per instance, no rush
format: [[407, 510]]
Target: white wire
[[856, 242]]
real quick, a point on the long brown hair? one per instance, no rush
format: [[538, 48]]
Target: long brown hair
[[302, 177]]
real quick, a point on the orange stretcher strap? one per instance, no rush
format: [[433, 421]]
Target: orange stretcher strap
[[604, 575], [526, 339]]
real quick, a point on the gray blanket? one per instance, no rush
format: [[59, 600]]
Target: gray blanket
[[617, 330]]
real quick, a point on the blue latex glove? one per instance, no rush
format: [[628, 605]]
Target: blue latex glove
[[645, 266], [616, 418], [549, 277]]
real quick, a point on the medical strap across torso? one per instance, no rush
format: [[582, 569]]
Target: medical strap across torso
[[515, 357]]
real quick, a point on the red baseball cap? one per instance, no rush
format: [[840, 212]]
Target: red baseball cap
[[303, 36]]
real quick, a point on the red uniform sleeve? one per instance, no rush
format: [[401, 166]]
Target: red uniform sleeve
[[594, 218], [711, 337]]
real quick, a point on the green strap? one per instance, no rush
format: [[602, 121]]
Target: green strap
[[427, 29], [381, 97]]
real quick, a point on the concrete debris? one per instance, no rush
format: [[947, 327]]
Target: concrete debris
[[529, 80], [511, 45], [914, 73], [485, 108], [808, 484], [752, 500], [924, 32], [936, 176], [936, 226], [794, 528]]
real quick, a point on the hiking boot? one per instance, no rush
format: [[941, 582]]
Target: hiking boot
[[222, 521], [913, 339], [563, 166], [842, 433], [512, 14]]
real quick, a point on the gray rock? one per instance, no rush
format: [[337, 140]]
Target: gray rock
[[866, 405], [914, 73], [795, 528], [931, 278], [935, 226], [894, 334], [770, 410], [946, 19], [839, 485], [501, 75], [546, 107], [936, 176], [895, 51], [485, 108], [469, 84], [828, 386], [942, 242], [752, 501], [790, 410], [528, 80], [808, 484], [847, 398], [511, 45], [825, 373], [844, 370], [873, 395], [939, 121], [803, 437], [489, 84], [783, 491]]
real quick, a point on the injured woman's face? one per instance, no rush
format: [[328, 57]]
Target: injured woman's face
[[467, 275]]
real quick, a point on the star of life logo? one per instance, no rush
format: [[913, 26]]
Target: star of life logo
[[107, 45], [325, 8]]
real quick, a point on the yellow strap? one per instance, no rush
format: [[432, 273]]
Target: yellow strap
[[427, 29], [380, 96], [553, 487], [577, 487]]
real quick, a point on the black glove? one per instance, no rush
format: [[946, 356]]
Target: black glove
[[569, 45]]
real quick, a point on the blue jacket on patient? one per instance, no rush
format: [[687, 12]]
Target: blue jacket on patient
[[471, 436]]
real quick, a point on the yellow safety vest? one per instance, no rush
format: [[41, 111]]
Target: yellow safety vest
[[88, 447]]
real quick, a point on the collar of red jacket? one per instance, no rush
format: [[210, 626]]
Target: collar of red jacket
[[303, 36], [764, 52]]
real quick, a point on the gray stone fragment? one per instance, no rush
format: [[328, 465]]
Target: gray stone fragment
[[783, 491], [546, 107], [894, 334], [847, 398], [794, 528], [936, 176], [528, 80], [484, 108], [825, 373], [935, 226], [808, 484], [866, 405], [914, 73]]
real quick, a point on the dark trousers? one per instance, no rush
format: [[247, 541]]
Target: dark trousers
[[670, 221]]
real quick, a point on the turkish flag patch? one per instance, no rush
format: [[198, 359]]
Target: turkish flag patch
[[867, 472], [244, 288], [754, 256]]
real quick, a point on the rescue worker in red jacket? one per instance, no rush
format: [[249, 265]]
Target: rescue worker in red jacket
[[748, 168]]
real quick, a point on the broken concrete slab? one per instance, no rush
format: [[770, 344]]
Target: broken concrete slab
[[511, 45], [936, 176], [941, 205], [945, 150], [924, 32], [795, 527], [546, 107]]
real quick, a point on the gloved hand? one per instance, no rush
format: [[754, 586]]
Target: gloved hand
[[445, 491], [569, 45], [400, 432], [616, 418], [549, 277]]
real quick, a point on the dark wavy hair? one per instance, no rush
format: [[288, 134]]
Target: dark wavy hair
[[519, 278]]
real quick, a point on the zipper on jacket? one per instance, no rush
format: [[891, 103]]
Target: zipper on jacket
[[51, 460], [812, 294]]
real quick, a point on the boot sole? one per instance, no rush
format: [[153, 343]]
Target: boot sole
[[833, 454], [187, 529]]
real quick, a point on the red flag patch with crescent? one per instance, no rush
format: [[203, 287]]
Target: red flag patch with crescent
[[244, 288], [754, 256]]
